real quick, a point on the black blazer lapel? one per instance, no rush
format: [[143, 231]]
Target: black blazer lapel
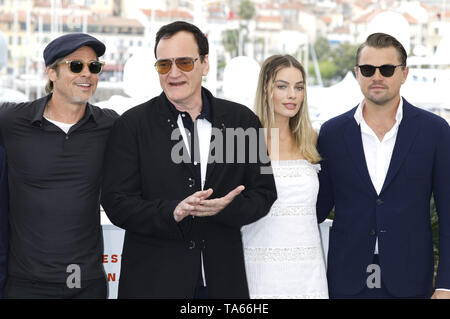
[[407, 132], [352, 137], [170, 124]]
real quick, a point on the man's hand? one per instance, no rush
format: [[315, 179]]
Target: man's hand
[[211, 207], [441, 294], [189, 204]]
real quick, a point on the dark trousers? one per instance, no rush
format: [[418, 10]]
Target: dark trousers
[[17, 288], [375, 293]]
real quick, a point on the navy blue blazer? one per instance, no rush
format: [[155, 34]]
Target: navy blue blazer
[[3, 220], [399, 216]]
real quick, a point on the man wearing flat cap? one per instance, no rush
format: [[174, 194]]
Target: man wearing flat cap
[[54, 147]]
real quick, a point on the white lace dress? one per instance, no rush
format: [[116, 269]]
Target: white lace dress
[[283, 251]]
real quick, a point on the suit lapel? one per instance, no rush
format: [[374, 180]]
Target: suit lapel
[[407, 132], [352, 136], [170, 124]]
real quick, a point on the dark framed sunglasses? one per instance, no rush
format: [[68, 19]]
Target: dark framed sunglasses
[[185, 64], [76, 66], [386, 70]]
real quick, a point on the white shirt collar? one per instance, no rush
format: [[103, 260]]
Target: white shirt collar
[[359, 112]]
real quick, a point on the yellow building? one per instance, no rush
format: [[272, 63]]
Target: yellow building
[[20, 42]]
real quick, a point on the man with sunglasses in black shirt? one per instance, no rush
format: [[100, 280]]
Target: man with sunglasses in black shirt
[[382, 161], [183, 214], [55, 148]]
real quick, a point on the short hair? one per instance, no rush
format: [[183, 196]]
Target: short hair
[[168, 30], [383, 40]]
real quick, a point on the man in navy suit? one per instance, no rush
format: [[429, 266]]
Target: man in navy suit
[[382, 161], [3, 221]]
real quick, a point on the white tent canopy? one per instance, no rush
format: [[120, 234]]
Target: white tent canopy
[[240, 80], [9, 95], [325, 103], [140, 82], [427, 88]]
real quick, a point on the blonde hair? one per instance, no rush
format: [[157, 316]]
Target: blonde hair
[[304, 135]]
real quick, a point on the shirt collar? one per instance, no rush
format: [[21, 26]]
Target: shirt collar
[[38, 116], [205, 113], [89, 114], [359, 112], [206, 108]]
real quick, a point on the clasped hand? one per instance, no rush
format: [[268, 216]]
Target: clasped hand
[[199, 205]]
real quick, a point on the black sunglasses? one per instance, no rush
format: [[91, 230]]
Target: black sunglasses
[[386, 70], [76, 66], [185, 64]]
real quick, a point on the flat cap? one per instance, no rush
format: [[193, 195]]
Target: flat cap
[[68, 43]]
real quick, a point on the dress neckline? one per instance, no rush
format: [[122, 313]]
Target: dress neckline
[[295, 163], [287, 162]]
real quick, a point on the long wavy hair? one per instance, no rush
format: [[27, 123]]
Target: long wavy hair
[[304, 135]]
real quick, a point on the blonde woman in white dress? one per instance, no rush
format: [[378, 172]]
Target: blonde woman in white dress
[[283, 252]]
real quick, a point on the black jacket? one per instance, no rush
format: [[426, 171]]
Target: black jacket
[[142, 186], [3, 220]]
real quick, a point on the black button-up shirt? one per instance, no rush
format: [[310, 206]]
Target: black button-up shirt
[[54, 183], [191, 127]]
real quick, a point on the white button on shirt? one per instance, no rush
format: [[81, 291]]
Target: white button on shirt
[[378, 153]]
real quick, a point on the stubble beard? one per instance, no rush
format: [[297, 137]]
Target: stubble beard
[[381, 100]]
